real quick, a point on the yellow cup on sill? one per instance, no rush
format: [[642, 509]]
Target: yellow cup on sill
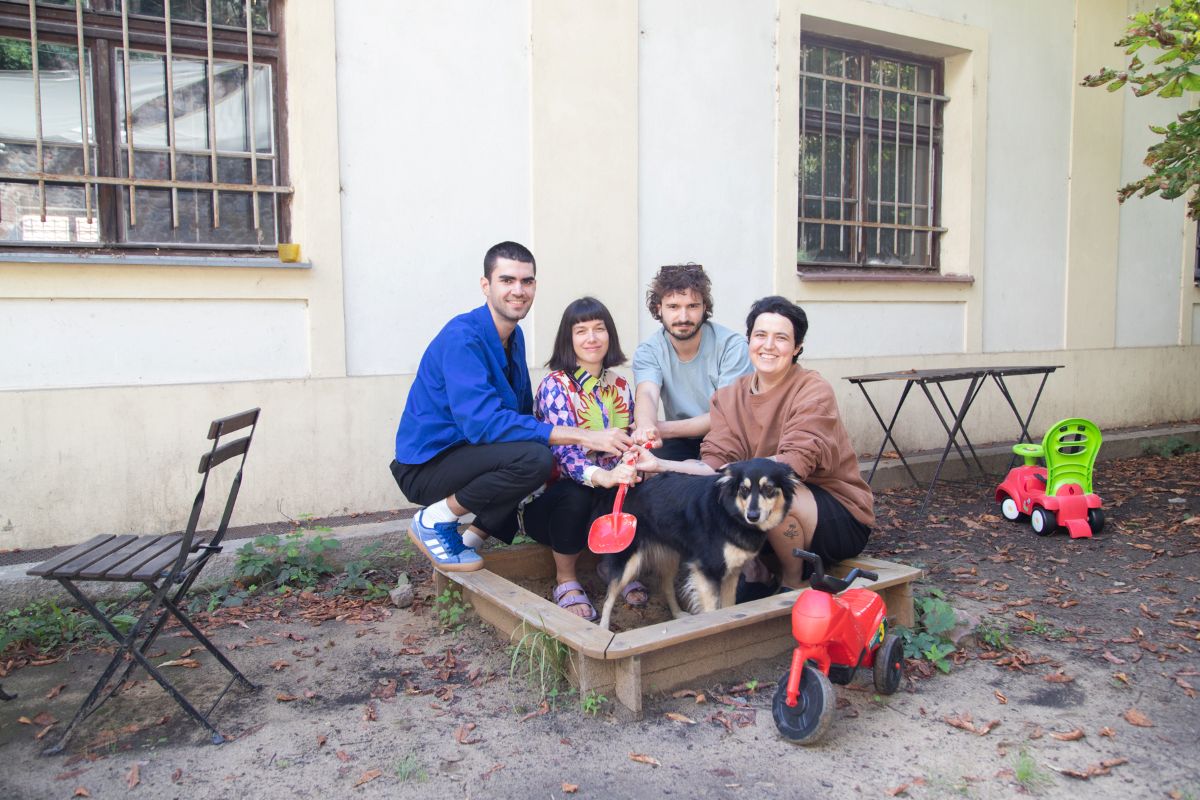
[[289, 252]]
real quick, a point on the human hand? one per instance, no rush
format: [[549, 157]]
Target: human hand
[[609, 440], [647, 435], [621, 473], [645, 462]]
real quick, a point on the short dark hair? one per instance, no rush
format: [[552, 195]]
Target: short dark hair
[[585, 309], [673, 278], [510, 250], [784, 308]]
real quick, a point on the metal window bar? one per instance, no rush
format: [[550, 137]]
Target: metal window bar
[[211, 112], [250, 111], [896, 131], [128, 90], [37, 104], [83, 111], [89, 179], [171, 156]]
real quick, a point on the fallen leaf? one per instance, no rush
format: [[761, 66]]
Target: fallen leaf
[[53, 693], [1101, 768], [1068, 736], [570, 788], [286, 698], [1107, 731], [1110, 658], [177, 775], [279, 665], [25, 720], [321, 740], [42, 733], [463, 734], [1057, 677], [368, 776], [645, 759], [671, 715], [190, 663], [963, 722], [133, 778], [81, 792], [1135, 717], [1000, 698], [343, 756], [369, 713]]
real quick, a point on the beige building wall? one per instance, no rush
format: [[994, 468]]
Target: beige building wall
[[594, 132]]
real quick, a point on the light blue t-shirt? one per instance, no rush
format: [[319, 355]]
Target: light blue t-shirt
[[686, 388]]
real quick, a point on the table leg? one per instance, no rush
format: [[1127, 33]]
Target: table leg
[[963, 429], [998, 377], [972, 390], [887, 432]]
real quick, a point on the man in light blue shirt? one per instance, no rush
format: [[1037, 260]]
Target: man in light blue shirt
[[682, 364]]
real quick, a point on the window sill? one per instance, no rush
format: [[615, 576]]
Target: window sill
[[134, 260], [879, 276]]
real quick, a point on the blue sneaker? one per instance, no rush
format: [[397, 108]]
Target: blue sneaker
[[442, 545]]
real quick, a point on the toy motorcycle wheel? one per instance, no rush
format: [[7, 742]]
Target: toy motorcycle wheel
[[809, 720], [1095, 520], [1043, 522], [1009, 509], [889, 665]]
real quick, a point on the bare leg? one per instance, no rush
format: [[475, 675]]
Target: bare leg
[[796, 530]]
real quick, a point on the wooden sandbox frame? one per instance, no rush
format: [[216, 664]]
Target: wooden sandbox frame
[[661, 656]]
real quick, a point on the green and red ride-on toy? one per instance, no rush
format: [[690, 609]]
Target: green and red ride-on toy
[[837, 630], [1059, 494]]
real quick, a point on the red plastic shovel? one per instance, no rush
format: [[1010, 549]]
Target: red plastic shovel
[[613, 532]]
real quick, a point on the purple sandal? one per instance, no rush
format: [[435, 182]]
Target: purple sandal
[[580, 599]]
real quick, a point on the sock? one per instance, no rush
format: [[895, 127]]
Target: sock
[[473, 539], [437, 513]]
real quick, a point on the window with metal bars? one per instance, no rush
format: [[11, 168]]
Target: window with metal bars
[[870, 157], [97, 151]]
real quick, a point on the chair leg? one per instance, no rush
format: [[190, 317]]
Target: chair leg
[[208, 645], [126, 645]]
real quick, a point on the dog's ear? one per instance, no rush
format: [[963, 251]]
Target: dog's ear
[[726, 475]]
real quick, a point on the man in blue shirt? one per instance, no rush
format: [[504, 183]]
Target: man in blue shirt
[[468, 442]]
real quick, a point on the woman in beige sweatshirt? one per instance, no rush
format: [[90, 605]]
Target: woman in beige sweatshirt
[[785, 412]]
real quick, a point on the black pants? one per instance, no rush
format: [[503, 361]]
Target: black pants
[[561, 516], [679, 449], [488, 480]]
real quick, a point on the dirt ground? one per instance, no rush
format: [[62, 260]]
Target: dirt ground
[[1088, 688]]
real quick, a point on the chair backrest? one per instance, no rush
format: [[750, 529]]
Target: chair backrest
[[1070, 449], [219, 453]]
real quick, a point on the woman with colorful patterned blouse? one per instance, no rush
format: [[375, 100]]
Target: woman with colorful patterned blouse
[[581, 391]]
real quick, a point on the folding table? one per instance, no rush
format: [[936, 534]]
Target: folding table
[[955, 415]]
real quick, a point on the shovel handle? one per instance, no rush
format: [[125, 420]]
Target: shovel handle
[[618, 502]]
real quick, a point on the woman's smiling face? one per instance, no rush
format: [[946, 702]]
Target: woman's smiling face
[[773, 345], [590, 342]]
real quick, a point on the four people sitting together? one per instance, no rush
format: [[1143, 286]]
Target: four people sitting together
[[477, 445]]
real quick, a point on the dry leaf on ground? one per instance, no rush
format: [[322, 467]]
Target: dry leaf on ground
[[133, 777], [1068, 736], [190, 663], [368, 776], [1135, 717], [674, 717], [963, 722], [641, 758], [570, 788]]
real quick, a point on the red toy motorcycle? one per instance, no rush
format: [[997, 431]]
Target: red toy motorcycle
[[837, 630]]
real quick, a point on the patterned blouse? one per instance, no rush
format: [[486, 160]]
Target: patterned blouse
[[581, 400]]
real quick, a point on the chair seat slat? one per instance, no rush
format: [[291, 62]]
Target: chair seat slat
[[119, 565], [49, 565], [155, 567], [85, 557]]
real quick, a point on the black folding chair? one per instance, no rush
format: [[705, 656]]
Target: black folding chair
[[166, 566]]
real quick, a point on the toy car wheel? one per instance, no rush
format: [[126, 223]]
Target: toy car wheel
[[1095, 520], [1044, 522], [889, 664], [809, 720], [1010, 509]]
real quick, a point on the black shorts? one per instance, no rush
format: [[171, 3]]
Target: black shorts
[[838, 535]]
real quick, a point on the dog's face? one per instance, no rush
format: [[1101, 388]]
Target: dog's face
[[758, 491]]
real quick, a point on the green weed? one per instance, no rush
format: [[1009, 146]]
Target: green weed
[[1171, 447], [592, 702], [410, 769], [1028, 774], [541, 660], [287, 561], [994, 636], [451, 610], [929, 638], [45, 627]]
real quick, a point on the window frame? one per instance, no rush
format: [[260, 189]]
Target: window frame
[[103, 37], [827, 124]]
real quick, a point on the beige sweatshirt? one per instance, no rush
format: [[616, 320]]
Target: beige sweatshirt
[[798, 423]]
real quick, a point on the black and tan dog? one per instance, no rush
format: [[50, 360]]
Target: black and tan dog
[[707, 525]]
